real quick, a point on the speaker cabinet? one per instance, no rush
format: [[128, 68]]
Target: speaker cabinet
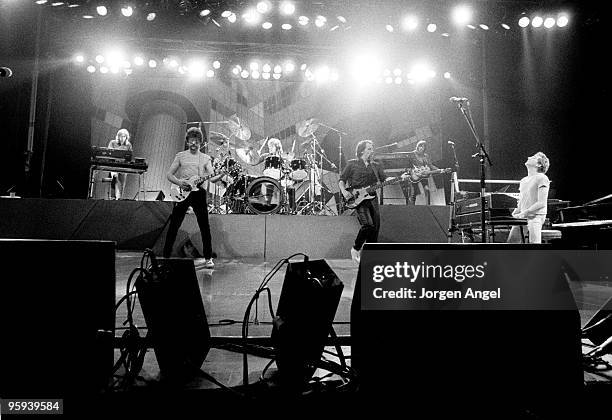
[[172, 306], [58, 319]]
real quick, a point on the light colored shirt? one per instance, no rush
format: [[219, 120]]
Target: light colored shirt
[[190, 164], [114, 144], [528, 193]]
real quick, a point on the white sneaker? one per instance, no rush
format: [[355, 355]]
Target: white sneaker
[[209, 263], [356, 255]]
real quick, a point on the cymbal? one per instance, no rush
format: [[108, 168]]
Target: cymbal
[[248, 155], [240, 131], [218, 138], [307, 127]]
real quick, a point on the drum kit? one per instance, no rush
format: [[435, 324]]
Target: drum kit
[[281, 180]]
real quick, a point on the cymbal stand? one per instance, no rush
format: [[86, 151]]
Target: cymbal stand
[[285, 208], [340, 133], [315, 207]]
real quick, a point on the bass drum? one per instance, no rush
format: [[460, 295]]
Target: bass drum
[[263, 196]]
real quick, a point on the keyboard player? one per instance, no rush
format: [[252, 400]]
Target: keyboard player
[[533, 199], [120, 142]]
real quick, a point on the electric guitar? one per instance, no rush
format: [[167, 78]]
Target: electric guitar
[[368, 193], [418, 173], [195, 182]]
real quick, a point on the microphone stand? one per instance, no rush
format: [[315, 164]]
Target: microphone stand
[[454, 186], [482, 154]]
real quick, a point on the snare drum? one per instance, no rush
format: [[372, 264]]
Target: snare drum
[[272, 167], [298, 169]]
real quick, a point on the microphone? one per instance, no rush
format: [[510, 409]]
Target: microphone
[[452, 143], [457, 99], [5, 72]]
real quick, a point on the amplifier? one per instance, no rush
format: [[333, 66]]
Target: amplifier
[[492, 201]]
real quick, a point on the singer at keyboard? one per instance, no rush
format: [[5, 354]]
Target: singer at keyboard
[[121, 142], [533, 199]]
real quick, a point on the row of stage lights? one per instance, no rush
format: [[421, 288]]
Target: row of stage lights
[[258, 15], [364, 70]]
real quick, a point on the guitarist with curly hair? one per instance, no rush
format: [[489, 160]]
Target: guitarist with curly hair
[[188, 170], [358, 174], [421, 174]]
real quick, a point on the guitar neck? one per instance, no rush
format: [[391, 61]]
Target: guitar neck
[[382, 184]]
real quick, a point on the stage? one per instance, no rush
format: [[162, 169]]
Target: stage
[[137, 225]]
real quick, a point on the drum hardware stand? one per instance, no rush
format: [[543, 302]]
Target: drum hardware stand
[[315, 207], [340, 133]]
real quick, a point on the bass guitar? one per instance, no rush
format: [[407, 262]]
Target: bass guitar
[[195, 182], [418, 173], [368, 193]]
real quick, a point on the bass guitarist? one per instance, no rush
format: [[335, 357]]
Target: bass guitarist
[[187, 164], [358, 173]]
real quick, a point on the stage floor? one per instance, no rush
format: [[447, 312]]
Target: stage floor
[[227, 289]]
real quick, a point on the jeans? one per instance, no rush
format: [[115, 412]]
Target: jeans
[[368, 215], [197, 200], [534, 227]]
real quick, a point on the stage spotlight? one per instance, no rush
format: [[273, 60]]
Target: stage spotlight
[[523, 22], [244, 74], [266, 25], [397, 72], [196, 69], [388, 80], [447, 75], [204, 12], [342, 19], [215, 22], [236, 71], [102, 10], [99, 59], [128, 71], [79, 58], [286, 26], [389, 28], [57, 3], [432, 27], [126, 64], [549, 22], [151, 16], [210, 73], [41, 1], [276, 76], [410, 23], [472, 27], [232, 18], [303, 66], [255, 74], [303, 20], [398, 80], [462, 15], [289, 67], [127, 11], [226, 14], [562, 21], [87, 17], [114, 69], [254, 65], [287, 8], [91, 69], [138, 60], [334, 28], [152, 64], [483, 26], [251, 16], [267, 68], [505, 26], [115, 58], [537, 21], [183, 70], [103, 69], [421, 72], [322, 74], [265, 76], [445, 34], [216, 64], [263, 6], [308, 74], [320, 21], [173, 63], [278, 69]]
